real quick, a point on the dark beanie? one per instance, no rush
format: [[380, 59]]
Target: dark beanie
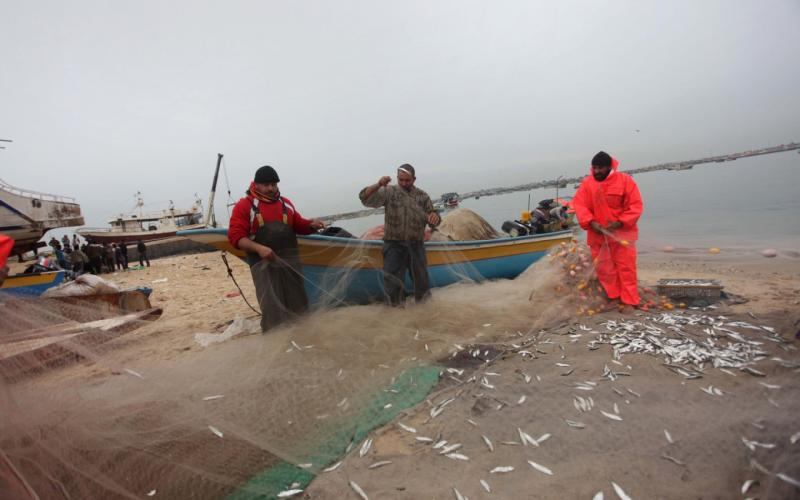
[[408, 168], [602, 159], [266, 175]]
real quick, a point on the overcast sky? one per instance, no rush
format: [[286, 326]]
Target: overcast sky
[[103, 99]]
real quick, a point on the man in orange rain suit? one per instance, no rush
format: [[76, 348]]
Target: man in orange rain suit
[[6, 244], [608, 205]]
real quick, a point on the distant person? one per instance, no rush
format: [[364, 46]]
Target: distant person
[[76, 242], [78, 260], [6, 245], [65, 241], [608, 206], [407, 210], [118, 260], [124, 250], [108, 257], [265, 224], [142, 249], [96, 254]]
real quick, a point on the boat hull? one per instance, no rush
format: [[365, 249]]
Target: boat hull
[[107, 236], [346, 270], [31, 285]]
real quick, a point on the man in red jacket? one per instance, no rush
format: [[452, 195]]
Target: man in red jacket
[[608, 206], [6, 244], [265, 224]]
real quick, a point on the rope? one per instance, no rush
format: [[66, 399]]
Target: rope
[[230, 273]]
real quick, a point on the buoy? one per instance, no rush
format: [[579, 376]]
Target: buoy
[[713, 250], [668, 249], [769, 252]]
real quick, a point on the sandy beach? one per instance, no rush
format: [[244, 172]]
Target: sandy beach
[[495, 398]]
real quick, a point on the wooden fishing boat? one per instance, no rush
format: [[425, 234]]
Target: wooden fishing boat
[[348, 270], [32, 284]]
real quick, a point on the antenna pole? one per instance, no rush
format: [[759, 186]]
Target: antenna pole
[[211, 220]]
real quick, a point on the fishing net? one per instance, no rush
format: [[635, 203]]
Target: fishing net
[[133, 408]]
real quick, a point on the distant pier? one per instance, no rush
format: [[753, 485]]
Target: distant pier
[[563, 182]]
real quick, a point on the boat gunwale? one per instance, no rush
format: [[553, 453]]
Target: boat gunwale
[[317, 239]]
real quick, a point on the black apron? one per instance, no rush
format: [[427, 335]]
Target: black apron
[[279, 284]]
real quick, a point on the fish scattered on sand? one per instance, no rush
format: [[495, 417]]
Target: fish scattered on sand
[[151, 493], [358, 490], [747, 484], [135, 374], [488, 443], [450, 448], [598, 496], [620, 492], [212, 398], [752, 445], [458, 495], [457, 456], [379, 464], [783, 477], [365, 447], [770, 386], [289, 493], [216, 431], [407, 428], [522, 399], [333, 467], [612, 416], [577, 425], [672, 459], [541, 468], [424, 439], [486, 486], [501, 469], [668, 436], [795, 437]]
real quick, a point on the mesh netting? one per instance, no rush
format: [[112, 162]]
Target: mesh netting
[[254, 415]]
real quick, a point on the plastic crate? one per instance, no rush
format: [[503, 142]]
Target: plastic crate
[[690, 288]]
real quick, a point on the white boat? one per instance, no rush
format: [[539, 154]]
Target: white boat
[[26, 215], [147, 226]]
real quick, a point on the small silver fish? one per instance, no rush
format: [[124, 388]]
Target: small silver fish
[[215, 431], [598, 496], [488, 443], [541, 468], [795, 437], [424, 439], [358, 490], [333, 467], [620, 492], [668, 436], [577, 425], [407, 428], [450, 448], [747, 484], [672, 459], [611, 416], [501, 469], [457, 456], [379, 464], [794, 482], [212, 398], [485, 486], [522, 399], [289, 493], [770, 386], [365, 447]]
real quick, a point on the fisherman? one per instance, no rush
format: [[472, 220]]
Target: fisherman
[[408, 210], [608, 206], [123, 247], [142, 249], [118, 258], [6, 244], [265, 224], [78, 260]]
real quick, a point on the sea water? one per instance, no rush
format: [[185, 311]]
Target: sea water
[[747, 204]]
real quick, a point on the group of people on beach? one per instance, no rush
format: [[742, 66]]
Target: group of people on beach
[[91, 257], [265, 223]]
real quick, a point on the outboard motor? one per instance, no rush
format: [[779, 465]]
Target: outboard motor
[[515, 228]]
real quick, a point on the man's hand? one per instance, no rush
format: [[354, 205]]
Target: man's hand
[[265, 252], [434, 219], [317, 224], [614, 225], [596, 227], [384, 181]]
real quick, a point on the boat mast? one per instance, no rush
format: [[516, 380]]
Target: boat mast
[[211, 220]]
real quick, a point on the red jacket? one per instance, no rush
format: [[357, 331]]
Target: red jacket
[[616, 198], [242, 222], [6, 244]]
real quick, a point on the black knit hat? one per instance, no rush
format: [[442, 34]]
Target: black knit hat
[[266, 175], [601, 159]]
